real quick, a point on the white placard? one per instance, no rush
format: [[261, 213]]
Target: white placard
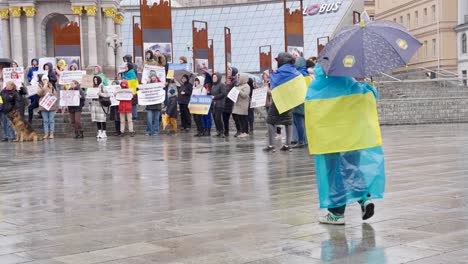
[[48, 101], [44, 61], [66, 77], [151, 69], [35, 80], [233, 94], [32, 90], [151, 94], [124, 95], [111, 89], [69, 98], [259, 97], [92, 93], [15, 75]]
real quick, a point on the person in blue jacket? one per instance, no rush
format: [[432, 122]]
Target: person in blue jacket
[[34, 98]]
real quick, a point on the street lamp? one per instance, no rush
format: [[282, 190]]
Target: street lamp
[[115, 43]]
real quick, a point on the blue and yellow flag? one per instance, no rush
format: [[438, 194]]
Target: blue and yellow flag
[[341, 115], [288, 88]]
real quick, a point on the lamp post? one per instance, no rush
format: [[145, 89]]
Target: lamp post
[[115, 43]]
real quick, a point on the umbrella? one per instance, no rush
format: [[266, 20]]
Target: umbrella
[[6, 62], [368, 48]]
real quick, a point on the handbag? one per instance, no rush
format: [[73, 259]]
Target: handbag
[[104, 101]]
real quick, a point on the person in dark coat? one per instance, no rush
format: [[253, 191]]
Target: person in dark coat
[[50, 73], [34, 98], [11, 101], [251, 118], [207, 120], [75, 111], [171, 110], [218, 93], [276, 119], [231, 82], [185, 92]]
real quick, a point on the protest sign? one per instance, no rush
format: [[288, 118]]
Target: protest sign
[[151, 94], [69, 98], [32, 90], [233, 94], [124, 95], [92, 93], [48, 101], [150, 70], [44, 61], [259, 97], [15, 75], [177, 70], [35, 79], [200, 104], [66, 77], [111, 89]]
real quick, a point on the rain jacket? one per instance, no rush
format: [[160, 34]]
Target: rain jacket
[[219, 92], [187, 88], [344, 136], [229, 104], [241, 107]]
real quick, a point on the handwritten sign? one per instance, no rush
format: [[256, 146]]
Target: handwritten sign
[[92, 93], [48, 101], [111, 89], [66, 77], [151, 70], [15, 75], [200, 104], [32, 90], [259, 97], [70, 98], [233, 94], [124, 95], [151, 94]]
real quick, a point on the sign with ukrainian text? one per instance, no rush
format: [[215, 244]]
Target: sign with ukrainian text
[[200, 104]]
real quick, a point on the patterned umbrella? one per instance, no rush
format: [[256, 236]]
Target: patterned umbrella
[[368, 48]]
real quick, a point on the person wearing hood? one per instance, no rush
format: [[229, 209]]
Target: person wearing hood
[[11, 101], [218, 93], [274, 118], [34, 98], [125, 111], [48, 116], [153, 112], [199, 89], [240, 111], [149, 57], [231, 82], [170, 117], [345, 139], [207, 120], [98, 72], [299, 136], [132, 80], [49, 68], [98, 114], [75, 111], [185, 92]]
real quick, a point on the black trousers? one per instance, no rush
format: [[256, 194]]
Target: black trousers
[[242, 123], [185, 117], [198, 122], [251, 119], [226, 118], [218, 119]]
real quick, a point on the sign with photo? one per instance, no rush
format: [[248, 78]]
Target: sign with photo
[[73, 63], [151, 94], [159, 48], [151, 71], [69, 98], [44, 61], [15, 75]]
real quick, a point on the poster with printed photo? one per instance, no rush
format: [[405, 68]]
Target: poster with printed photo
[[159, 48], [44, 61], [15, 75], [150, 71], [202, 65], [296, 51], [73, 63]]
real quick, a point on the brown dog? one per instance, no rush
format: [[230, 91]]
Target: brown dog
[[23, 130]]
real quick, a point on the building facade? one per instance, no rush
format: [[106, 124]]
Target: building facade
[[462, 33], [430, 21], [27, 28]]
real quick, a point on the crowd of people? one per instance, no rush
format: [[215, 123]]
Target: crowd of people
[[288, 126]]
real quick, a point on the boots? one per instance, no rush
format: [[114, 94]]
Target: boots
[[51, 136], [99, 134], [206, 132], [200, 133], [80, 134], [103, 134], [77, 134]]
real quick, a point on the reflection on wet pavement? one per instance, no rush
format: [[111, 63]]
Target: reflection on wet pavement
[[185, 200]]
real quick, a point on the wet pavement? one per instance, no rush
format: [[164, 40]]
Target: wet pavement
[[183, 200]]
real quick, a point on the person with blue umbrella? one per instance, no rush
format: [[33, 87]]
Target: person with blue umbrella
[[342, 120]]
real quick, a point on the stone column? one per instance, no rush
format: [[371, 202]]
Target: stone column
[[78, 11], [5, 33], [92, 45], [119, 18], [17, 41], [31, 35], [109, 13]]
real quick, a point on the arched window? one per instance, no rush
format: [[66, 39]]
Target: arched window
[[463, 43]]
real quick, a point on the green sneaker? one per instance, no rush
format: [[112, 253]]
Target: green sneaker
[[332, 219]]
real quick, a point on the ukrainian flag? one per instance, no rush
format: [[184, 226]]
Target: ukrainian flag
[[288, 88], [341, 115]]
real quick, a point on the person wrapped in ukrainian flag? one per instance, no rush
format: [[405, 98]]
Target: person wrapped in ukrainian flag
[[344, 136]]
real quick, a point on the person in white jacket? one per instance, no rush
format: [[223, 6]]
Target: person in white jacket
[[199, 89]]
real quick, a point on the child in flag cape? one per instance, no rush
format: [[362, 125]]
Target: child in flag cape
[[344, 137]]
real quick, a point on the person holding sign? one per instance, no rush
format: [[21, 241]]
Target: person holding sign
[[240, 111], [199, 89], [75, 111], [153, 112], [185, 92], [218, 93], [47, 90], [125, 111], [132, 82], [98, 114]]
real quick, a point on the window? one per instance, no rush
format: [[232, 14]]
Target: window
[[464, 77], [434, 48], [463, 43], [401, 20], [416, 18], [408, 21], [425, 49], [372, 18], [433, 9], [425, 16]]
